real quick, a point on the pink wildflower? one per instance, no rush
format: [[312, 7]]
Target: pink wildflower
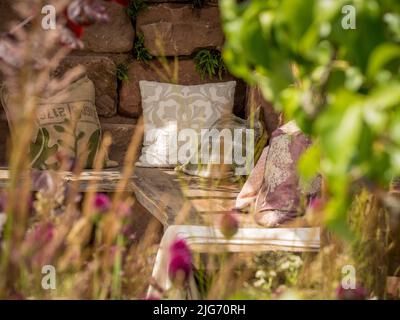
[[180, 264], [359, 293], [229, 225], [102, 203]]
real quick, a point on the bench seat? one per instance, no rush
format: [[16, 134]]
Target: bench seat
[[171, 198], [190, 208]]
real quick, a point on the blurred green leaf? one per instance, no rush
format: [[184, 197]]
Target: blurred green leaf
[[340, 85], [309, 164], [381, 56]]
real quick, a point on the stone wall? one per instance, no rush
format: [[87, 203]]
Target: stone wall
[[171, 28]]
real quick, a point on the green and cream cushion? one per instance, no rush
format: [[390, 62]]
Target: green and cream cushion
[[169, 109], [66, 123]]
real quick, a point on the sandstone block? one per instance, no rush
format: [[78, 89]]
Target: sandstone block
[[103, 72], [178, 29], [113, 37]]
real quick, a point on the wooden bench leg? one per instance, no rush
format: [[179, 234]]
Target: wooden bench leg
[[160, 269]]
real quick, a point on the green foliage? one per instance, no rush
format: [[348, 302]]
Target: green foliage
[[141, 52], [370, 250], [134, 7], [93, 147], [122, 72], [209, 63], [198, 3], [342, 86]]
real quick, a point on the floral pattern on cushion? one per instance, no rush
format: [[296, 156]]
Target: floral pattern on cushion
[[248, 194], [279, 198]]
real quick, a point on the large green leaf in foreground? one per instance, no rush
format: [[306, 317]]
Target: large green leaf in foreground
[[340, 84]]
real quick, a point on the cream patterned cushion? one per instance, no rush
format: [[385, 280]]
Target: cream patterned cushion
[[169, 109]]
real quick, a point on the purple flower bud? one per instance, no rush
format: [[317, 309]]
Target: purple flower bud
[[179, 246], [180, 264], [49, 233], [102, 202], [359, 293], [315, 205], [129, 232], [229, 225]]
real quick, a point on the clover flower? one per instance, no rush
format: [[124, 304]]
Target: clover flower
[[102, 203], [180, 263]]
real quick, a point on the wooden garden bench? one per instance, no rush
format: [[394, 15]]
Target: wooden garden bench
[[190, 208]]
